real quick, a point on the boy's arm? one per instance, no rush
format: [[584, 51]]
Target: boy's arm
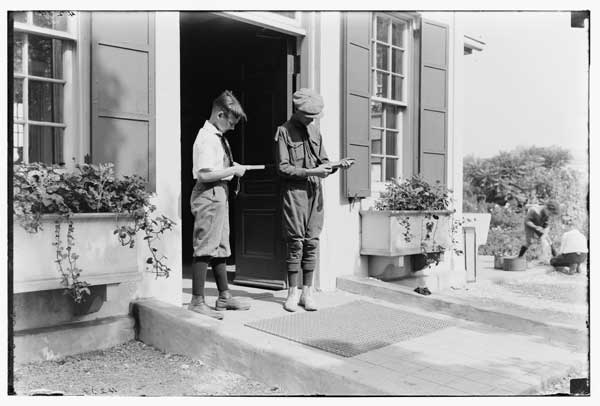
[[213, 175], [282, 159]]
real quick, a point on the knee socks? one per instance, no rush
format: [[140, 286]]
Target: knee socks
[[292, 278], [199, 269], [307, 277], [219, 268]]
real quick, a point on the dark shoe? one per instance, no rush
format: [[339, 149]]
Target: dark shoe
[[423, 291], [231, 303], [204, 309]]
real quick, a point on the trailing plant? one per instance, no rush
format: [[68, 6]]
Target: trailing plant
[[416, 194], [41, 189]]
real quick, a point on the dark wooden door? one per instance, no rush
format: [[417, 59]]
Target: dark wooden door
[[266, 94]]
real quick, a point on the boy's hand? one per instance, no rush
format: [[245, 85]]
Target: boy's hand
[[346, 162], [322, 171], [238, 170]]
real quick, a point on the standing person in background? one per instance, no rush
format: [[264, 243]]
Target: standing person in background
[[537, 223], [213, 168], [302, 162]]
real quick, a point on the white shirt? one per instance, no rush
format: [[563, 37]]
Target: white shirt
[[573, 241], [208, 151]]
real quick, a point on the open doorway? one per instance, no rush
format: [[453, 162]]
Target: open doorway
[[219, 53]]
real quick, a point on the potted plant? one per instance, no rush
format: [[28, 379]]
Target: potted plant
[[501, 243], [411, 217], [76, 222]]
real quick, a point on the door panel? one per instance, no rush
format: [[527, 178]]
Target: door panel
[[259, 248]]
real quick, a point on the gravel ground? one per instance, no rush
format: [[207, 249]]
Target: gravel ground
[[133, 369]]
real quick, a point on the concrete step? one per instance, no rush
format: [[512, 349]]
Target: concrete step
[[47, 343], [466, 359], [256, 355], [574, 336]]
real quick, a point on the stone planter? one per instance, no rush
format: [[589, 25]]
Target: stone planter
[[399, 233], [101, 256], [481, 222]]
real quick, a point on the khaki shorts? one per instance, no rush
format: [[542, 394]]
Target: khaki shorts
[[210, 206]]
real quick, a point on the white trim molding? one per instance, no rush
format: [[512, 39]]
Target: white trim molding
[[268, 20]]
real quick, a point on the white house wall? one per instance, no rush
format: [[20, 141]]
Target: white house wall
[[168, 162], [340, 242]]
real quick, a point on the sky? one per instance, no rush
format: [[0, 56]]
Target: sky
[[529, 85]]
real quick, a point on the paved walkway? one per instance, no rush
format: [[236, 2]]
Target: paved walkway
[[467, 358]]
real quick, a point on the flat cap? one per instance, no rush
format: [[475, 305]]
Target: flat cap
[[309, 102]]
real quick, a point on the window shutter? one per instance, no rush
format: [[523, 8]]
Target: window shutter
[[433, 121], [123, 116], [356, 102]]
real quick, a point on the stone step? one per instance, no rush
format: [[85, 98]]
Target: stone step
[[575, 337]]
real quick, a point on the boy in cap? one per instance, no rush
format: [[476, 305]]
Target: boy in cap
[[537, 222], [302, 162], [213, 168]]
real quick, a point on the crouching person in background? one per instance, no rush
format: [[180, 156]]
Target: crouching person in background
[[573, 250]]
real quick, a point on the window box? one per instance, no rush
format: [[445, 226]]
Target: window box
[[404, 232], [103, 259]]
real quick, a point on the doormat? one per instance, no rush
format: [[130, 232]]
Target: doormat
[[350, 329]]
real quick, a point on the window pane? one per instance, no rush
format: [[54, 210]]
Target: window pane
[[46, 144], [397, 83], [391, 143], [45, 57], [383, 57], [45, 101], [376, 115], [20, 17], [391, 168], [18, 100], [51, 19], [391, 117], [383, 29], [18, 134], [376, 167], [376, 136], [19, 41], [398, 33], [397, 63], [382, 84]]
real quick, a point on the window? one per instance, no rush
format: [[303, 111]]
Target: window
[[389, 45], [40, 43]]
